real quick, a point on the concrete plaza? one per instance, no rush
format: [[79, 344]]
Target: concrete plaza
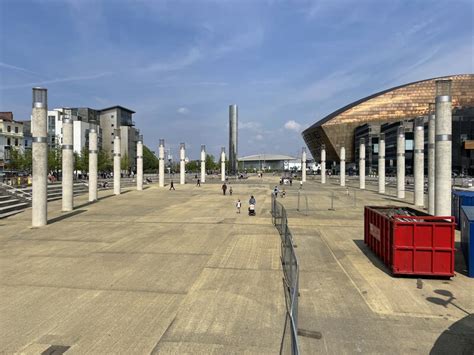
[[162, 271]]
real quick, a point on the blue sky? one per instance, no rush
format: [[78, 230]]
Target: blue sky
[[179, 64]]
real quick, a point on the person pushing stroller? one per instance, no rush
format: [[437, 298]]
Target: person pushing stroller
[[252, 203]]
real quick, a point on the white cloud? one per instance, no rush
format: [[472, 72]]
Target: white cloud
[[259, 137], [58, 80], [250, 125], [193, 55], [293, 126], [183, 110]]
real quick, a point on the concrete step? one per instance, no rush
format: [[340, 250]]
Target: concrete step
[[5, 197], [11, 213], [13, 207], [10, 201]]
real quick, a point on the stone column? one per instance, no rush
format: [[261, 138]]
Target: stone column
[[431, 159], [117, 161], [381, 163], [93, 165], [161, 163], [140, 163], [303, 164], [203, 163], [342, 167], [401, 162], [39, 131], [223, 164], [418, 161], [323, 164], [443, 148], [182, 164], [68, 165], [362, 163]]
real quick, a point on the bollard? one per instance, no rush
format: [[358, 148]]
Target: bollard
[[140, 163], [223, 164], [67, 165], [161, 163], [39, 124], [117, 161], [182, 164], [332, 202]]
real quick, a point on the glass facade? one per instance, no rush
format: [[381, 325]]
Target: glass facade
[[392, 105]]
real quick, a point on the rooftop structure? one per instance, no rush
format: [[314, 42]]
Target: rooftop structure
[[391, 105]]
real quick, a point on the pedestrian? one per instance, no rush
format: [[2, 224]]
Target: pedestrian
[[230, 191], [301, 184], [198, 182], [252, 200], [172, 185], [283, 193], [224, 188], [238, 204], [275, 191], [291, 182]]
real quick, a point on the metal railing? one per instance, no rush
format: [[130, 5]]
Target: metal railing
[[15, 191], [289, 262]]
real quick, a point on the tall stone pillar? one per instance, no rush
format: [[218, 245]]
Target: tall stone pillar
[[182, 164], [342, 168], [140, 163], [68, 165], [93, 165], [161, 163], [323, 164], [381, 163], [233, 138], [419, 162], [303, 164], [401, 162], [117, 161], [39, 131], [362, 164], [443, 148], [223, 164], [431, 159], [203, 163]]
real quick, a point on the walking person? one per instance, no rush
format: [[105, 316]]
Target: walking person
[[238, 204], [275, 191], [301, 185], [283, 193], [172, 185], [198, 182], [224, 188], [230, 191]]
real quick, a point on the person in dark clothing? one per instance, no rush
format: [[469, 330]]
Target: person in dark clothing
[[172, 185], [252, 200], [224, 188], [198, 182]]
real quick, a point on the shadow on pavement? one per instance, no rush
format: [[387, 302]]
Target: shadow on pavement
[[459, 261], [371, 256], [66, 216], [457, 339]]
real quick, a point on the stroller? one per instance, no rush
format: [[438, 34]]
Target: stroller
[[251, 210]]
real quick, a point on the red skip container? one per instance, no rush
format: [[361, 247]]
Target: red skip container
[[410, 242]]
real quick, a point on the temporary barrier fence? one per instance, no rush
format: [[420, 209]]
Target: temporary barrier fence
[[289, 343]]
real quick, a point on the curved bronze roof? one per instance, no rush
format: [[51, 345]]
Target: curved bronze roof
[[394, 104]]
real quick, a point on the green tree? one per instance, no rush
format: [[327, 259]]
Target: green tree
[[55, 159], [83, 160], [150, 161], [125, 163], [210, 162], [15, 162], [104, 162], [27, 162], [193, 166]]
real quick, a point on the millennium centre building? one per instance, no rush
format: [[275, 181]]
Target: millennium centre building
[[400, 103]]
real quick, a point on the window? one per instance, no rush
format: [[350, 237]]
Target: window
[[8, 141], [16, 129], [9, 129], [16, 142], [26, 143]]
